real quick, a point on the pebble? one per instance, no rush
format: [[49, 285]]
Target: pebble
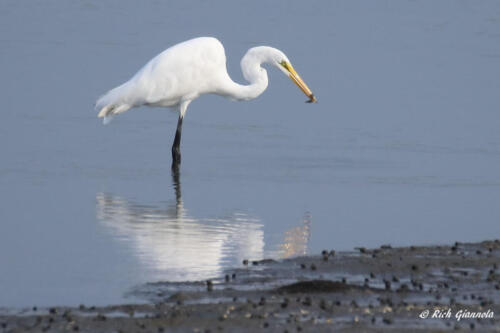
[[403, 287], [101, 317], [387, 285]]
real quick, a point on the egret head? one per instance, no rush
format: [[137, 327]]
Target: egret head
[[280, 60], [270, 55], [286, 67]]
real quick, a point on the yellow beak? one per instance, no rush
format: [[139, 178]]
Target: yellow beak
[[301, 84]]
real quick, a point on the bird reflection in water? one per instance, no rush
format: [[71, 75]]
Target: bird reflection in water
[[175, 246], [296, 240]]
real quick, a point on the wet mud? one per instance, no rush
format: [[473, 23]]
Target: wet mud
[[415, 289]]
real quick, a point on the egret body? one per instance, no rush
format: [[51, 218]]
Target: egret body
[[189, 69]]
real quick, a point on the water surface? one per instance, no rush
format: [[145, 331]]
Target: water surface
[[402, 148]]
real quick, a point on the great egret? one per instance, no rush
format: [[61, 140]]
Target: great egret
[[183, 72]]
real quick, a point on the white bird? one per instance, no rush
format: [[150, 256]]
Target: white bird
[[183, 72]]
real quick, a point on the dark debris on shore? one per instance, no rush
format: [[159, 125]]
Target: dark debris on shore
[[367, 290]]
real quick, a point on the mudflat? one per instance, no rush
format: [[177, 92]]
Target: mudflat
[[416, 288]]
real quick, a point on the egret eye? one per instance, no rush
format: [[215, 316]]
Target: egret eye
[[285, 65]]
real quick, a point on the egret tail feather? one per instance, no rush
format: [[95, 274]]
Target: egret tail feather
[[114, 102], [109, 111]]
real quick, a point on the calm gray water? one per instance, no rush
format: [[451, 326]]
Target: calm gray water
[[402, 148]]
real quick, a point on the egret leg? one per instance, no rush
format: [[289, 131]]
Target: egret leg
[[176, 147], [176, 181]]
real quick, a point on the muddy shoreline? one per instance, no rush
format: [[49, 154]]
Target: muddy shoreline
[[366, 290]]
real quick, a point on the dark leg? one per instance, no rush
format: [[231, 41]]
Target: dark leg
[[176, 147]]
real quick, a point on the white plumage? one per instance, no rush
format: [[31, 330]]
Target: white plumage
[[189, 69]]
